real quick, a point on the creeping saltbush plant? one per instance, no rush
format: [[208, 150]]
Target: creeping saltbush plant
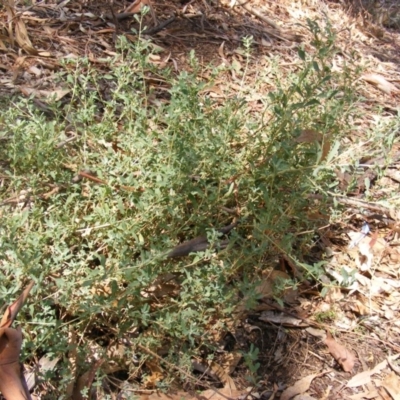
[[167, 164]]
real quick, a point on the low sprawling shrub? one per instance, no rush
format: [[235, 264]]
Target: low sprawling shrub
[[133, 161]]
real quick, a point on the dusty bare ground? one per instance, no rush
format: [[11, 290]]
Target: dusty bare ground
[[365, 316]]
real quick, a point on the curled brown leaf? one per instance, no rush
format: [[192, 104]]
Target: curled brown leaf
[[342, 355]]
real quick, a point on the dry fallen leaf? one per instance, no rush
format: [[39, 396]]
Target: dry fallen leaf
[[393, 365], [266, 289], [393, 174], [135, 7], [299, 387], [358, 307], [282, 319], [269, 282], [22, 37], [44, 365], [229, 361], [214, 370], [56, 94], [319, 333], [381, 83], [21, 33], [342, 355], [85, 381], [164, 396], [13, 310], [82, 380], [365, 377], [221, 52], [222, 375], [334, 295], [311, 136], [165, 285], [371, 394], [12, 382], [382, 394], [392, 385], [156, 374], [211, 394], [221, 394]]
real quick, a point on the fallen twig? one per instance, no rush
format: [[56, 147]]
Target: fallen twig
[[251, 10], [278, 31], [391, 212], [91, 177]]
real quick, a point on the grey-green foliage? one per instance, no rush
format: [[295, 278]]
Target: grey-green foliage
[[94, 250]]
